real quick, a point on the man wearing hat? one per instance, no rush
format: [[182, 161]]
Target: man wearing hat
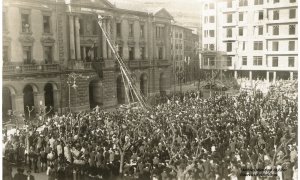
[[29, 175]]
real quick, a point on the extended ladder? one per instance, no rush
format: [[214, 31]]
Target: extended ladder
[[126, 75]]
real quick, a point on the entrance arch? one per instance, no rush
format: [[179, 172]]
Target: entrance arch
[[95, 93], [162, 83], [49, 98], [144, 84], [28, 99], [120, 91], [6, 102]]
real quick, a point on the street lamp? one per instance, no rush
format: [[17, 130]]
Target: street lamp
[[72, 77]]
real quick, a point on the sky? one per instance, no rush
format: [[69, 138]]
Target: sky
[[185, 12]]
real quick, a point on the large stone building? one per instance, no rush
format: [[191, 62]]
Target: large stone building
[[45, 41], [256, 39]]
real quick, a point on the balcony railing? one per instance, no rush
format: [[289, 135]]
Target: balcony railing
[[30, 68]]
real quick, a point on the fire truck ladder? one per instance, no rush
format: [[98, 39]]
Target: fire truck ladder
[[125, 72]]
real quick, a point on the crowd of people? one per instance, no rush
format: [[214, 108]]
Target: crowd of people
[[185, 137]]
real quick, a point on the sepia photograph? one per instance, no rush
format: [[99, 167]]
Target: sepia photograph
[[149, 90]]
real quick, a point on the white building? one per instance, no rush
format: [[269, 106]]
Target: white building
[[251, 38]]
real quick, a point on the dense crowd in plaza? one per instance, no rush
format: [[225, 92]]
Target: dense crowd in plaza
[[185, 137]]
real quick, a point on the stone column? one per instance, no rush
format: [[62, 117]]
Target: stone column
[[268, 76], [104, 44], [110, 35], [38, 101], [72, 40], [250, 75], [77, 38], [84, 53], [274, 76], [19, 103], [235, 75], [291, 75], [56, 95]]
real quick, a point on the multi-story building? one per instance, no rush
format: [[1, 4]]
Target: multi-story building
[[45, 41], [184, 47], [251, 38]]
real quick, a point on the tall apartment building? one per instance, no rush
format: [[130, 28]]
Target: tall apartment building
[[45, 41], [251, 38], [184, 47]]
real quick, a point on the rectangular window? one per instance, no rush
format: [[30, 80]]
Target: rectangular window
[[81, 27], [119, 29], [48, 54], [229, 4], [241, 31], [257, 60], [276, 15], [206, 19], [206, 33], [260, 30], [159, 32], [27, 54], [258, 45], [25, 23], [275, 30], [241, 16], [276, 1], [243, 3], [292, 1], [130, 30], [258, 2], [291, 61], [211, 33], [142, 49], [292, 29], [229, 18], [5, 55], [211, 19], [212, 62], [229, 61], [275, 46], [160, 53], [260, 15], [275, 61], [131, 53], [229, 32], [180, 36], [291, 45], [94, 27], [229, 47], [120, 51], [244, 60], [292, 14], [142, 31], [205, 61], [211, 6], [244, 45]]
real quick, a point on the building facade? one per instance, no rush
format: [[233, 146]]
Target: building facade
[[256, 39], [184, 50], [45, 41]]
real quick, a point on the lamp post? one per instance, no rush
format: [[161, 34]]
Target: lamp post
[[72, 77]]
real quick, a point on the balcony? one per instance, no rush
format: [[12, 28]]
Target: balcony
[[281, 4], [30, 68], [135, 64], [161, 62]]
